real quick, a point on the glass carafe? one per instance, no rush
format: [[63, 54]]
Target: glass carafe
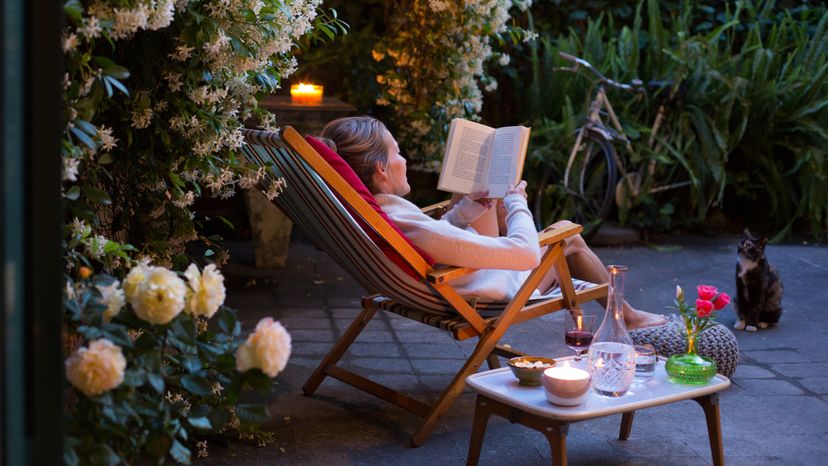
[[611, 355]]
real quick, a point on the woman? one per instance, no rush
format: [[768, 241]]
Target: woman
[[504, 262]]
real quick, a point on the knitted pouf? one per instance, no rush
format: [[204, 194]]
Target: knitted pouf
[[717, 342]]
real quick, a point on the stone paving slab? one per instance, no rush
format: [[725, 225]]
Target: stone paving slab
[[775, 413]]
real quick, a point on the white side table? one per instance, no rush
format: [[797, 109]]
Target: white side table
[[499, 393]]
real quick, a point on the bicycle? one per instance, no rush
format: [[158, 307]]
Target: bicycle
[[591, 175]]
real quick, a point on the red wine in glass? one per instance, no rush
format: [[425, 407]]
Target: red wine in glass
[[578, 339], [578, 333]]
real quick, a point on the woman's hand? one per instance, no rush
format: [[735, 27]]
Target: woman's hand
[[482, 199], [519, 189]]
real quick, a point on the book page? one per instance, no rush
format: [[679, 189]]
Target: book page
[[508, 153], [466, 163]]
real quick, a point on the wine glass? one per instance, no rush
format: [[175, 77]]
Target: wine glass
[[578, 330]]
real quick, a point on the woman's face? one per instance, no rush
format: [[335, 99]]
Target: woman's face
[[392, 179]]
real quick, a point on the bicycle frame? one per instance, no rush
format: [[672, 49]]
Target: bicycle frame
[[596, 124]]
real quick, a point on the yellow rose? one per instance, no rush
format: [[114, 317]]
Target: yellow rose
[[96, 369], [113, 297], [208, 290], [155, 293], [267, 348]]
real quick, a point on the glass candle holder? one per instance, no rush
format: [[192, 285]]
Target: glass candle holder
[[306, 94]]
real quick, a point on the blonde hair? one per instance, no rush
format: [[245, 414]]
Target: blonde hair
[[362, 142]]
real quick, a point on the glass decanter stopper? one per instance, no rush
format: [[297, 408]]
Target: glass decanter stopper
[[611, 355]]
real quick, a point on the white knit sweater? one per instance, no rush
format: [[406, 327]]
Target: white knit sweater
[[505, 262]]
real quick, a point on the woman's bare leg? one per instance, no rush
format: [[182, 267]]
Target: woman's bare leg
[[585, 265]]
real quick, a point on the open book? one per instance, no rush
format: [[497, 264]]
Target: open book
[[480, 158]]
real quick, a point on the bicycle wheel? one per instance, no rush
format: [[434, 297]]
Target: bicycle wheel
[[590, 189], [592, 183]]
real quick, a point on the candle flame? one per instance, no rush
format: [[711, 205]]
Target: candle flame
[[303, 87]]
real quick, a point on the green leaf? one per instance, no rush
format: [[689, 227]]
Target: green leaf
[[135, 377], [74, 193], [197, 385], [84, 138], [96, 195], [258, 380], [156, 381], [116, 71], [103, 454], [227, 321], [192, 365], [200, 423], [105, 159], [116, 84], [180, 453], [252, 413], [73, 9]]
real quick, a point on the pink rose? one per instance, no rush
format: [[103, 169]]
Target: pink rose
[[707, 292], [721, 301], [703, 308]]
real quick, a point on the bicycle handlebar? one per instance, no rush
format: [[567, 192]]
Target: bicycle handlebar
[[634, 86]]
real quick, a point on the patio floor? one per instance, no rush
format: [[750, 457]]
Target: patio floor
[[776, 411]]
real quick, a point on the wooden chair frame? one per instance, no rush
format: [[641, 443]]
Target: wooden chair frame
[[487, 330]]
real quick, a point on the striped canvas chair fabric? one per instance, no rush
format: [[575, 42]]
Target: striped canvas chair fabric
[[309, 201]]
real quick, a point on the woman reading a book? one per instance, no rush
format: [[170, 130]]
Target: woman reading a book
[[504, 261]]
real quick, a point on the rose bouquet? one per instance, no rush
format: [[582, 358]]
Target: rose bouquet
[[702, 317], [691, 368]]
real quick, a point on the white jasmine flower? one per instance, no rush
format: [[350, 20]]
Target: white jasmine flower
[[91, 29], [70, 169], [504, 59], [108, 142], [95, 246], [173, 81], [96, 369], [182, 52], [185, 201], [113, 297], [142, 120], [162, 16], [275, 188], [70, 43], [267, 349]]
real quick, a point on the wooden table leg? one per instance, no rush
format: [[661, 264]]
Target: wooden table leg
[[482, 411], [556, 435], [710, 405], [626, 425]]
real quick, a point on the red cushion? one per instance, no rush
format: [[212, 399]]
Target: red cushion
[[350, 176]]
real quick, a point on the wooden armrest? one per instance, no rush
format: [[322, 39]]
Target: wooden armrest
[[436, 210], [446, 274], [554, 235]]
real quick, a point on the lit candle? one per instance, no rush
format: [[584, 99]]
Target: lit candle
[[565, 385], [306, 94]]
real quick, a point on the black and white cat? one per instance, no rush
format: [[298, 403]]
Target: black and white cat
[[758, 286]]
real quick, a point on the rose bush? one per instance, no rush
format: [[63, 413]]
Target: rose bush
[[155, 95], [154, 380]]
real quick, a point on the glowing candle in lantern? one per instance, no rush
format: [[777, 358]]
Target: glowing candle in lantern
[[306, 94], [565, 385]]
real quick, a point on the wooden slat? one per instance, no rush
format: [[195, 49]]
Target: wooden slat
[[438, 208], [447, 274], [380, 391], [557, 234]]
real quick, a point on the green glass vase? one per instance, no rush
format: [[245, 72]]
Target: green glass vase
[[690, 368]]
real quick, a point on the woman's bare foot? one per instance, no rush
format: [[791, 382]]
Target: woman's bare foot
[[636, 319]]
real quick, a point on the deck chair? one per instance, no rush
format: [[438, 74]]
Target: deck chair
[[315, 199]]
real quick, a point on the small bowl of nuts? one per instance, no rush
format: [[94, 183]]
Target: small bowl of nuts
[[529, 369]]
